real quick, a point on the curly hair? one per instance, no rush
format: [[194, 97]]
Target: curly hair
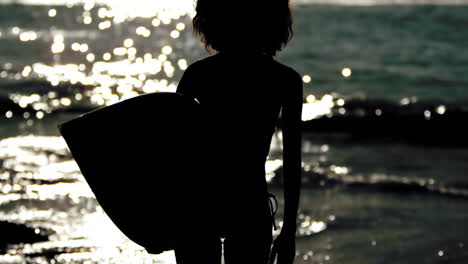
[[258, 26]]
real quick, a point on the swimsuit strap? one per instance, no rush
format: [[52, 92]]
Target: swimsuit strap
[[273, 209]]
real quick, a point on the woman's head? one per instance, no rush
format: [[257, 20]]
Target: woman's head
[[259, 26]]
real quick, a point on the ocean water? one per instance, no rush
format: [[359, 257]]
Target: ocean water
[[384, 151]]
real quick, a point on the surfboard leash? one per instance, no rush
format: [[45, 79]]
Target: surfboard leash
[[272, 200]]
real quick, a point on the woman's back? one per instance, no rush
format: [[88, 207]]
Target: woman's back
[[241, 95]]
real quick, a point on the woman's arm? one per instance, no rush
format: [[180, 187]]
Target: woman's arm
[[292, 168], [291, 118]]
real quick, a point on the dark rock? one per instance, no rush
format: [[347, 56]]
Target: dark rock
[[11, 233]]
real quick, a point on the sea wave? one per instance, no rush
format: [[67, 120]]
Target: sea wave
[[319, 177]]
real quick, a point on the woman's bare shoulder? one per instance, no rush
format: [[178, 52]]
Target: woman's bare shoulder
[[195, 66], [280, 70], [202, 63], [287, 72], [292, 89]]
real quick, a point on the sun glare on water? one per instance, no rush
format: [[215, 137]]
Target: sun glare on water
[[126, 50], [142, 51]]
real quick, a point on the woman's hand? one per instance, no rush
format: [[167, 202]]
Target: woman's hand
[[284, 248]]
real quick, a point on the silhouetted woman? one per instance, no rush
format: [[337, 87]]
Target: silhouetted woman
[[243, 90]]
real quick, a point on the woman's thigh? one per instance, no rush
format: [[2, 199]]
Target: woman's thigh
[[250, 242], [247, 249]]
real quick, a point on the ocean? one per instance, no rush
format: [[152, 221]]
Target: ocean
[[384, 146]]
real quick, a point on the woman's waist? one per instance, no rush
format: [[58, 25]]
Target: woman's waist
[[240, 213]]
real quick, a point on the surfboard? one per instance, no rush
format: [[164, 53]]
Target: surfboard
[[139, 157]]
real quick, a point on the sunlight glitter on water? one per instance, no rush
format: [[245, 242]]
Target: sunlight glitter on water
[[314, 108], [122, 70], [125, 68], [187, 3], [42, 188]]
